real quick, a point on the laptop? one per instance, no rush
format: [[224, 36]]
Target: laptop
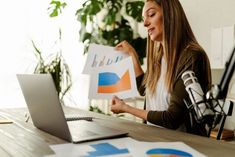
[[47, 113]]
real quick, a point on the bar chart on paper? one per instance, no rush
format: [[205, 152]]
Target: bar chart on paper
[[109, 82], [107, 149], [100, 55], [128, 147]]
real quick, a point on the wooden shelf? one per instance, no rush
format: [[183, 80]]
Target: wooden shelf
[[226, 134]]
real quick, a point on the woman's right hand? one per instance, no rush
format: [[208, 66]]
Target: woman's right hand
[[124, 46], [118, 105]]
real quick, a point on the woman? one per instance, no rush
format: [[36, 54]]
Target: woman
[[171, 50]]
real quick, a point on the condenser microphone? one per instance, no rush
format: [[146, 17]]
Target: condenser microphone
[[202, 111]]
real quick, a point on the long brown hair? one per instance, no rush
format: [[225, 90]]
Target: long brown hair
[[177, 36]]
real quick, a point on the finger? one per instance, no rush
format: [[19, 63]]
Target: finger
[[113, 109], [114, 99], [118, 48], [119, 44], [113, 102]]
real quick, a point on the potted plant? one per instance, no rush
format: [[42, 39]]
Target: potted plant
[[107, 22], [57, 67]]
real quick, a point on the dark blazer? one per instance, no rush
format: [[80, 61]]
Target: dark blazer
[[177, 113]]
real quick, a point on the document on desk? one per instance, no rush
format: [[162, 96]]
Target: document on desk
[[124, 147], [107, 148], [149, 149]]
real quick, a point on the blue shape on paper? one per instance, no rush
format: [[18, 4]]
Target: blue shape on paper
[[165, 151], [103, 149], [107, 79]]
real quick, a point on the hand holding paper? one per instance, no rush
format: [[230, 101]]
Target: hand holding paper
[[127, 48], [112, 73]]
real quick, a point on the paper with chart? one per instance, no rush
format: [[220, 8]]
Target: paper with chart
[[100, 55], [124, 147], [107, 148], [116, 79], [162, 149]]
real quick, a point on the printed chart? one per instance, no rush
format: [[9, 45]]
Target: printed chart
[[106, 149], [116, 79], [109, 82], [100, 55], [125, 147], [161, 152]]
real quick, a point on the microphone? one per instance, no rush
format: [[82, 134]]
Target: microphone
[[201, 109]]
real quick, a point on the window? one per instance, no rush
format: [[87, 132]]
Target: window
[[23, 21]]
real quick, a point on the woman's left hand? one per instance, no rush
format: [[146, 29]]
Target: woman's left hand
[[118, 105]]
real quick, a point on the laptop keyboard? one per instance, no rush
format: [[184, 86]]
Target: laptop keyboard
[[78, 118]]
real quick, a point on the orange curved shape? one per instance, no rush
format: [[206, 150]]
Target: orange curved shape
[[123, 84]]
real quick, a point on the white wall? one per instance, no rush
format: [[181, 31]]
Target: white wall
[[22, 21], [204, 15]]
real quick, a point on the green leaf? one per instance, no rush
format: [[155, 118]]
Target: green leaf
[[134, 9], [110, 19], [57, 67], [84, 35], [113, 7], [81, 16], [38, 53], [55, 8]]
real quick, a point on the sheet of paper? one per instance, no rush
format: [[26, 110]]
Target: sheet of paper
[[124, 147], [147, 149], [107, 148], [116, 79], [100, 55]]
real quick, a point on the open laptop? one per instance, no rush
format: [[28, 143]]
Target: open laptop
[[47, 113]]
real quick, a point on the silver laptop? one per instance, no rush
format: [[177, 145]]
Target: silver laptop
[[47, 113]]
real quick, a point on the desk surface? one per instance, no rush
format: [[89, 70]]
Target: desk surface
[[22, 139]]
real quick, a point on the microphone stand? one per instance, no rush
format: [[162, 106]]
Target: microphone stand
[[221, 128], [218, 94], [220, 114]]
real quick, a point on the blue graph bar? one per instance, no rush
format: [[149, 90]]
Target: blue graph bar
[[107, 78], [103, 149]]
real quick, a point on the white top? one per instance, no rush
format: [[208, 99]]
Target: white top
[[159, 101]]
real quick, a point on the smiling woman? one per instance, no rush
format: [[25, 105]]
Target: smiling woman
[[29, 20], [172, 49]]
